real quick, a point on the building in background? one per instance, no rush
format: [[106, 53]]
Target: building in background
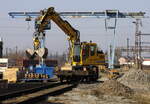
[[3, 64], [146, 62]]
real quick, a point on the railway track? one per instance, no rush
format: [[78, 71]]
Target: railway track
[[35, 95]]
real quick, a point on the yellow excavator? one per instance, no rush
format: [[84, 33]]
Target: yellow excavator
[[84, 57]]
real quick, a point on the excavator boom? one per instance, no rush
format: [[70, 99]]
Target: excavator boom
[[50, 14]]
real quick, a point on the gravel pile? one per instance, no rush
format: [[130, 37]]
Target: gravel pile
[[112, 87], [137, 79], [86, 94]]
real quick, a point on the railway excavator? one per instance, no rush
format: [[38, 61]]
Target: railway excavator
[[84, 57]]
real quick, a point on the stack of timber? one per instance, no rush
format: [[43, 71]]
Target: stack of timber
[[13, 74]]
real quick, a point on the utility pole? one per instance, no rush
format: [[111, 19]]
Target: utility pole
[[111, 54], [1, 47], [140, 47], [137, 53], [140, 50], [127, 47], [7, 52], [16, 50], [128, 52]]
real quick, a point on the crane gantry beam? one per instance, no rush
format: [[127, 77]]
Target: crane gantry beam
[[103, 14]]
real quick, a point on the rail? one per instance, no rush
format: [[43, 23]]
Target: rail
[[35, 94]]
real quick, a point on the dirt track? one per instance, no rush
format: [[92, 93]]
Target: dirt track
[[110, 92], [84, 95]]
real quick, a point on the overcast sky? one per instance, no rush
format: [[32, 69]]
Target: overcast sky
[[17, 32]]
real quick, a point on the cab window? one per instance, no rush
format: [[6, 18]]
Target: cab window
[[85, 52], [92, 50], [77, 50]]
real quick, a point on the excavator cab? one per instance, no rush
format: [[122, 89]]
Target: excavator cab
[[91, 55]]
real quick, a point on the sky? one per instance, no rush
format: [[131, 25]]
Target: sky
[[17, 32]]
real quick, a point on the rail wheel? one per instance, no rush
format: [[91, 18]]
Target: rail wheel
[[61, 79], [96, 74]]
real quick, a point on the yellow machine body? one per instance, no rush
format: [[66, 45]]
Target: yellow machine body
[[90, 55]]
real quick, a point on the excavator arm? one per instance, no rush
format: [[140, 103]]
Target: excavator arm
[[41, 24], [50, 14]]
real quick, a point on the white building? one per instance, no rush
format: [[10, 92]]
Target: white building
[[146, 62], [3, 64]]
